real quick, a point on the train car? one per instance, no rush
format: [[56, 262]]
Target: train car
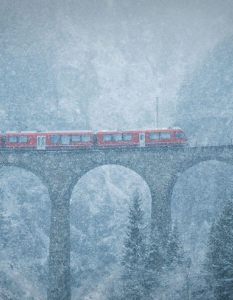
[[19, 140], [117, 138], [55, 140], [141, 138], [69, 139], [49, 140], [165, 137]]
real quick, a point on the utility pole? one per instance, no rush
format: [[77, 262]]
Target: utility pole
[[157, 112]]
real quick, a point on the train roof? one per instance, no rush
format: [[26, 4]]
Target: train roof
[[93, 131], [140, 129], [54, 131]]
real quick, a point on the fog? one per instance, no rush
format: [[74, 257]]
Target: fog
[[126, 53], [99, 65]]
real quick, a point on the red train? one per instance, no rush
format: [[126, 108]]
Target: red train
[[52, 140]]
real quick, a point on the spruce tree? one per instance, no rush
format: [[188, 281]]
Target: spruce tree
[[133, 277], [175, 252], [219, 258], [154, 263], [175, 282]]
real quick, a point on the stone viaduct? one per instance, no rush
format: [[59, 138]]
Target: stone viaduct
[[61, 170]]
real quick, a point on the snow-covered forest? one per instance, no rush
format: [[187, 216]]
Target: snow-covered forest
[[100, 64]]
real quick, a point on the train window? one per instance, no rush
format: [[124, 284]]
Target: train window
[[154, 136], [165, 135], [22, 139], [177, 135], [107, 137], [117, 137], [86, 138], [76, 138], [12, 139], [127, 136], [65, 139], [182, 136], [55, 138]]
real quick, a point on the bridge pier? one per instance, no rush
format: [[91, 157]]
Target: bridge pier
[[59, 249], [161, 191]]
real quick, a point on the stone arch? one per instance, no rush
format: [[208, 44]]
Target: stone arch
[[187, 164], [199, 159], [25, 222], [102, 209], [205, 199], [25, 167]]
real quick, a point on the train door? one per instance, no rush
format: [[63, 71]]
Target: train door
[[41, 143], [141, 139]]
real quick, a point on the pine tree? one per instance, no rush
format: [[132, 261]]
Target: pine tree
[[174, 279], [133, 277], [154, 263], [175, 252], [219, 258]]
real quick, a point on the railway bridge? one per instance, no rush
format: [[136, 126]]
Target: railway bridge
[[61, 170]]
